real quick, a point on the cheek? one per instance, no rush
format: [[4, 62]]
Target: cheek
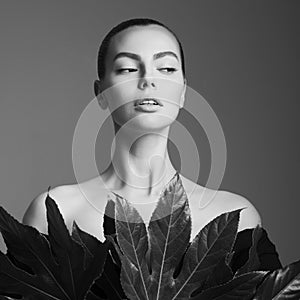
[[119, 94], [170, 91]]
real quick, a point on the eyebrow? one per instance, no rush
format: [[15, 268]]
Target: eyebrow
[[138, 57]]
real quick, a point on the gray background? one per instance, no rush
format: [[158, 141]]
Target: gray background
[[241, 56]]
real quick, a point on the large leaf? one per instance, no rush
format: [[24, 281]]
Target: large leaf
[[133, 240], [253, 262], [56, 266], [281, 284], [242, 287], [214, 241], [108, 285], [221, 274], [169, 233]]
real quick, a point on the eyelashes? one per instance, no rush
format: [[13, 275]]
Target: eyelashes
[[126, 70], [168, 70]]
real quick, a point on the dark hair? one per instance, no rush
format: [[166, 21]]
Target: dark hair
[[122, 26]]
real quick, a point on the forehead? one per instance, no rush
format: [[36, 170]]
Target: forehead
[[143, 40]]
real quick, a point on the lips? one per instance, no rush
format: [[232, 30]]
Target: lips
[[139, 101]]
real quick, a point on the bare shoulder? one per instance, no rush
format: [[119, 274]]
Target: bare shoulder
[[206, 204], [65, 196], [249, 216]]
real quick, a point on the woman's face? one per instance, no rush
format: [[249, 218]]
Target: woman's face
[[143, 62]]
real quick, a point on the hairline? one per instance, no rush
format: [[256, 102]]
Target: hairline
[[110, 39]]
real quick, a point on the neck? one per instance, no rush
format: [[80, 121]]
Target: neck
[[140, 165]]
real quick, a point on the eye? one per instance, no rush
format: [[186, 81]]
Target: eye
[[168, 70], [126, 70]]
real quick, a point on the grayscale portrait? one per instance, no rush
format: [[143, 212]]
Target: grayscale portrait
[[150, 150]]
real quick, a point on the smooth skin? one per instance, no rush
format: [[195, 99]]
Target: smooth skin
[[140, 59]]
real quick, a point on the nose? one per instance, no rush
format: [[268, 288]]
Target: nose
[[145, 82]]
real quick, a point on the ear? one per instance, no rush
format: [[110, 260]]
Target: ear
[[98, 93], [182, 98]]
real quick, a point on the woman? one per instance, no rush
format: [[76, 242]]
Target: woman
[[137, 60]]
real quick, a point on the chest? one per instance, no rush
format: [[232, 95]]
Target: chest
[[89, 214]]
